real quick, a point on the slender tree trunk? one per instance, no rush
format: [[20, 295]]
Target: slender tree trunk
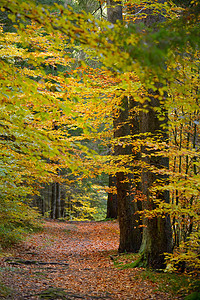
[[56, 193], [49, 197], [112, 203], [63, 200], [53, 201], [58, 201]]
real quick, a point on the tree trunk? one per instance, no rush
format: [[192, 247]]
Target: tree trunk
[[56, 193], [130, 235], [114, 11], [58, 201], [112, 203], [157, 234], [62, 202], [53, 201]]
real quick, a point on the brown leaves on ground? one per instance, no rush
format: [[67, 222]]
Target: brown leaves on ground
[[73, 260]]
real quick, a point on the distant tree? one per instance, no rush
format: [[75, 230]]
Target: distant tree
[[150, 73]]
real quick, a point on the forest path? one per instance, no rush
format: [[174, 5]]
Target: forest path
[[72, 260]]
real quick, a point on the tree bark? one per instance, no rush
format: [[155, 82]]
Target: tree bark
[[157, 233], [56, 193], [130, 235], [112, 203], [53, 201], [58, 201], [114, 11]]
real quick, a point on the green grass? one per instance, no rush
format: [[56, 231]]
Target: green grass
[[173, 283], [193, 296], [11, 234], [5, 291], [125, 260]]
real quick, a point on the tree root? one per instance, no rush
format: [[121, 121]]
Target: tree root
[[31, 262]]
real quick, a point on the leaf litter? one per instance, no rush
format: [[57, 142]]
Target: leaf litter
[[73, 260]]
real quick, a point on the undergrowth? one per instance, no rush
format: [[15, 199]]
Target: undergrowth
[[11, 234], [4, 290], [175, 284]]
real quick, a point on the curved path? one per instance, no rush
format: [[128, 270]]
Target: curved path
[[73, 261]]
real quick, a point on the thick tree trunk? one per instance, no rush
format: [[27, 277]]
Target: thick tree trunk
[[136, 155], [114, 11], [157, 234], [130, 235]]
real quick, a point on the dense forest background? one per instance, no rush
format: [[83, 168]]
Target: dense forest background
[[100, 117]]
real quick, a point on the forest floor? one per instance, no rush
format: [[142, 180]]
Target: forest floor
[[73, 260]]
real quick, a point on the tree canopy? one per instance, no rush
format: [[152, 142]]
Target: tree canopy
[[64, 75]]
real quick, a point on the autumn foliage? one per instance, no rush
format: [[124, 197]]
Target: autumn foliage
[[63, 78]]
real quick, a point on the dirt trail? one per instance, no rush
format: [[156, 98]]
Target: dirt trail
[[72, 261]]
